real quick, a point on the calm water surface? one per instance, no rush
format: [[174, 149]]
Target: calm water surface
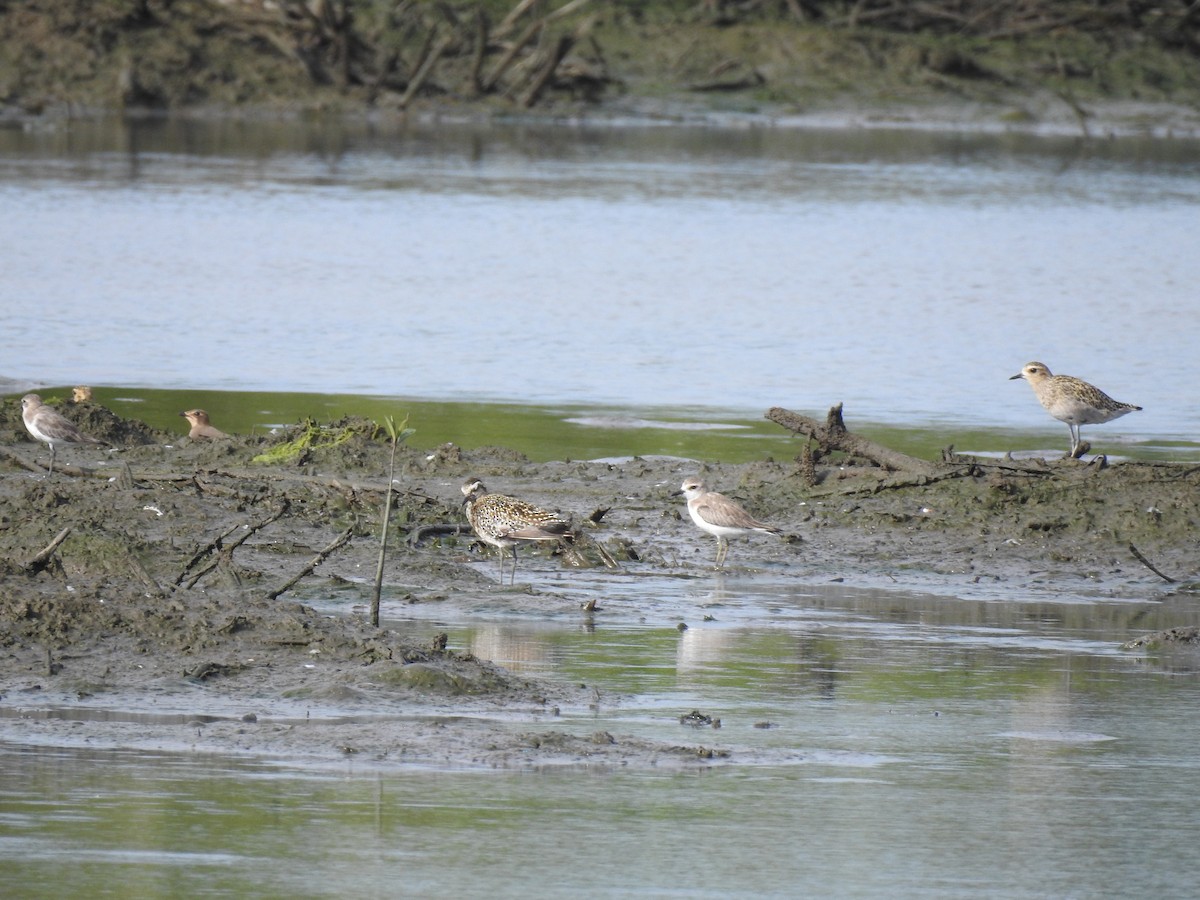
[[907, 275], [955, 742], [919, 745]]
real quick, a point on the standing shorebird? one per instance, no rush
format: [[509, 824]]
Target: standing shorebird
[[504, 521], [50, 427], [1073, 401], [720, 516], [202, 429]]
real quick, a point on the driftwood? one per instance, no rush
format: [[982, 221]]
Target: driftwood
[[542, 77], [902, 470], [489, 83], [833, 435], [312, 564], [60, 467], [219, 549], [410, 49], [421, 532], [425, 68], [1149, 565], [39, 560]]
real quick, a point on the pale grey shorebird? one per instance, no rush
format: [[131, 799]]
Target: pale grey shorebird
[[202, 428], [1072, 400], [50, 427], [720, 516], [504, 521]]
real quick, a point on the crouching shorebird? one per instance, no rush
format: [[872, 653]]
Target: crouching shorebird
[[50, 427], [1073, 401], [720, 516], [504, 521], [202, 429]]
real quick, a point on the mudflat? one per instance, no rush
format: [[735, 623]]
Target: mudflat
[[154, 594]]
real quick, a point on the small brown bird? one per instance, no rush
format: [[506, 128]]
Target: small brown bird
[[81, 394], [504, 521], [1073, 401], [202, 430], [720, 516], [50, 427]]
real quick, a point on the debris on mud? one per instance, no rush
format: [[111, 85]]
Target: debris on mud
[[186, 571]]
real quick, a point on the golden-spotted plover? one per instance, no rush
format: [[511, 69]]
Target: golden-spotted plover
[[50, 427], [202, 429], [1072, 401], [504, 521], [720, 516]]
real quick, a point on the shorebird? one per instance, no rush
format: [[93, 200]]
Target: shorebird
[[50, 427], [719, 516], [202, 429], [81, 394], [504, 521], [1073, 401]]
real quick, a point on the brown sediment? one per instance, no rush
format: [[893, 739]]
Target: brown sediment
[[160, 567]]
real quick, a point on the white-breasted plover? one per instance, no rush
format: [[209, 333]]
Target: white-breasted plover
[[50, 427], [719, 516]]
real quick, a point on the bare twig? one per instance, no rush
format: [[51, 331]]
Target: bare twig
[[425, 69], [561, 47], [218, 549], [312, 564], [421, 532], [489, 83], [1149, 565], [39, 560]]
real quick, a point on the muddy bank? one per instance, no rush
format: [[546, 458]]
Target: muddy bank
[[1089, 71], [172, 613]]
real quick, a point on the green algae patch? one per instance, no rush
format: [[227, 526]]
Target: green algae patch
[[311, 436]]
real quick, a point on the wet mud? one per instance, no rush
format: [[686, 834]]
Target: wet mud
[[171, 613]]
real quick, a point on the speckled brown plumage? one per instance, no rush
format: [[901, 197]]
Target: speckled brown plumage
[[504, 521], [1072, 400]]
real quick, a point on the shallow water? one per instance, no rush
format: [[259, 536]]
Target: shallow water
[[884, 743], [904, 274], [644, 290]]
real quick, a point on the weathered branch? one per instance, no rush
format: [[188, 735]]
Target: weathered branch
[[561, 47], [312, 564], [479, 53], [60, 467], [421, 532], [489, 83], [1149, 565], [832, 435], [39, 560], [515, 13], [219, 549], [424, 69]]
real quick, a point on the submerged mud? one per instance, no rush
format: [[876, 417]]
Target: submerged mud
[[170, 613]]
